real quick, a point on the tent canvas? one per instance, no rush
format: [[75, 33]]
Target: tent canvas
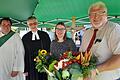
[[49, 12]]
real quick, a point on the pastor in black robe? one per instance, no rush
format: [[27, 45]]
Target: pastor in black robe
[[31, 51]]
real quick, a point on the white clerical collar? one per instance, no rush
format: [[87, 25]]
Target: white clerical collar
[[35, 34]]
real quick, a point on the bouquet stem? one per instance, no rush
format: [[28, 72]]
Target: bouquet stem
[[50, 74]]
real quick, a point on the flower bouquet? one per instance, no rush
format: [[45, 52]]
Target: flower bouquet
[[70, 66], [41, 60]]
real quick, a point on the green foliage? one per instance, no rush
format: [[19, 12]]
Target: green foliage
[[92, 65], [58, 74], [51, 66], [76, 71], [71, 69], [65, 74], [39, 66]]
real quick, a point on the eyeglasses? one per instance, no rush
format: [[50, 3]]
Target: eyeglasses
[[60, 28], [100, 13], [34, 23], [5, 24]]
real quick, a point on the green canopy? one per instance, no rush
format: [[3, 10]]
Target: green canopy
[[17, 10], [49, 12]]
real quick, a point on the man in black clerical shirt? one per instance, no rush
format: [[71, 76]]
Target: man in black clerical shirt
[[33, 41]]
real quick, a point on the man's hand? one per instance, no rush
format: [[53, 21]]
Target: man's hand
[[14, 73], [87, 78], [92, 75]]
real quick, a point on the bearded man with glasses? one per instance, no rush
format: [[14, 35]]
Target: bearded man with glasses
[[105, 46]]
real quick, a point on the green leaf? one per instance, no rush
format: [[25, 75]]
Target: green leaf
[[51, 66], [65, 74], [58, 74]]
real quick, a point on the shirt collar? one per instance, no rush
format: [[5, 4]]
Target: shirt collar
[[101, 27]]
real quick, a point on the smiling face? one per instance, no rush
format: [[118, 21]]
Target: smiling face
[[5, 26], [32, 24], [60, 31], [98, 16]]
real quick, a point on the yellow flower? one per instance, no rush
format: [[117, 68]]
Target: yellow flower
[[43, 52], [78, 57], [38, 60], [37, 57]]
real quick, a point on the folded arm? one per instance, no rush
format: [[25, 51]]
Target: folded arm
[[111, 64]]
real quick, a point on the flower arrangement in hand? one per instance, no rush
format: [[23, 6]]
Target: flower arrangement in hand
[[41, 60], [71, 66], [77, 63]]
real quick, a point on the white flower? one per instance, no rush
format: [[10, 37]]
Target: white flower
[[60, 64]]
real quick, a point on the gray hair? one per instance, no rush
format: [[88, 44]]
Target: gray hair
[[98, 4]]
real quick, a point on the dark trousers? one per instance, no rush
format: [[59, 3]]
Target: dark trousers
[[38, 76]]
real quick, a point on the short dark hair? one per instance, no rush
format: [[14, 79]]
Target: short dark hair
[[31, 17], [60, 23], [7, 19]]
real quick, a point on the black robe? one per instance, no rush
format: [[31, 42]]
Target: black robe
[[31, 51]]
